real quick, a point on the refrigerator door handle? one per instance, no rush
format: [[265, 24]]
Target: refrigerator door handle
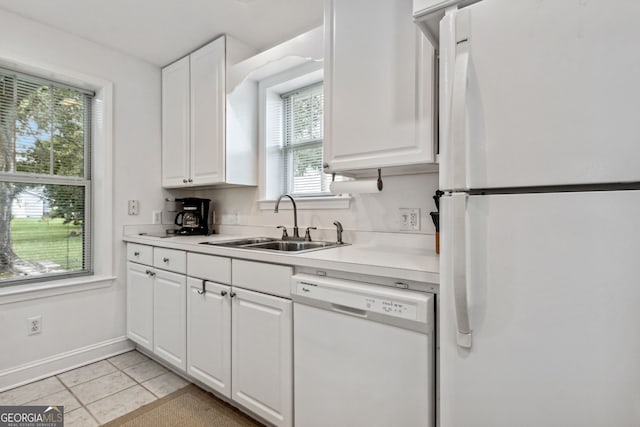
[[459, 248], [457, 160]]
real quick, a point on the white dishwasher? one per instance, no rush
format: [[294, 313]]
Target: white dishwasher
[[363, 354]]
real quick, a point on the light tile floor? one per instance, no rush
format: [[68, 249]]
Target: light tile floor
[[100, 392]]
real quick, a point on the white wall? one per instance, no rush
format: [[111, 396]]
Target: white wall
[[88, 318], [367, 212]]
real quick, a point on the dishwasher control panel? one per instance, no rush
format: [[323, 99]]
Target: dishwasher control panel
[[366, 302], [396, 308]]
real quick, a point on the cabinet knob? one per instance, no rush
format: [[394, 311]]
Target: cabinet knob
[[325, 165], [190, 180], [232, 294], [165, 260], [184, 181], [150, 273], [136, 253], [223, 293]]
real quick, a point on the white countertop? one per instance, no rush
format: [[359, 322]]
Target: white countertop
[[421, 265]]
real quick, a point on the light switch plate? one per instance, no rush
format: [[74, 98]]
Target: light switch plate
[[409, 219]]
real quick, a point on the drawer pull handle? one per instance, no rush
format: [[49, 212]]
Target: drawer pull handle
[[136, 253], [150, 273], [204, 289], [165, 260]]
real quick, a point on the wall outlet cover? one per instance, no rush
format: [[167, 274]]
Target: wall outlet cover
[[133, 207], [35, 325]]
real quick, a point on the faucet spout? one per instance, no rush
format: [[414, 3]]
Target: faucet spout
[[296, 232]]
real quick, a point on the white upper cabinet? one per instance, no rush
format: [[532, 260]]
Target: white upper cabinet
[[208, 113], [379, 87], [194, 116], [175, 123]]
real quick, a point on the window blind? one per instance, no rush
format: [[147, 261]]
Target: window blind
[[303, 123], [45, 179]]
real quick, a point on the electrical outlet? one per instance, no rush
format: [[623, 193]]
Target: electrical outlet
[[409, 219], [133, 207], [35, 325], [157, 217]]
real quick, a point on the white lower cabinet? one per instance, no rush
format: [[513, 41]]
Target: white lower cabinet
[[261, 337], [236, 341], [157, 311], [239, 342], [170, 317], [140, 305], [209, 334]]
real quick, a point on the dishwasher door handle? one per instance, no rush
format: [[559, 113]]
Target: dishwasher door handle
[[349, 310]]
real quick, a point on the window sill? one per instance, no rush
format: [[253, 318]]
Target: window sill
[[31, 291], [330, 202]]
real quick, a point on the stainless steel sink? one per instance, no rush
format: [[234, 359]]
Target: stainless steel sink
[[293, 246], [241, 242], [269, 244]]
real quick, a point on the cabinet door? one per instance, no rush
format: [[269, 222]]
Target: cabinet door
[[170, 318], [262, 355], [175, 124], [208, 113], [140, 304], [379, 102], [209, 334]]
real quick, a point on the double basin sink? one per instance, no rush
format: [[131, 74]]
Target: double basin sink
[[276, 245]]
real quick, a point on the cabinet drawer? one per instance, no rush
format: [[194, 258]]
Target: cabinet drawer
[[209, 267], [258, 276], [170, 259], [140, 253]]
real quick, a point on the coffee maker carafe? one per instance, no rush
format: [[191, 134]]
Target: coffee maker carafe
[[193, 217]]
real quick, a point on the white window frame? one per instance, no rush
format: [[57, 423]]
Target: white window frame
[[102, 185], [270, 181]]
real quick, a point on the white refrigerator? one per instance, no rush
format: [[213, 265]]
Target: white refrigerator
[[540, 256]]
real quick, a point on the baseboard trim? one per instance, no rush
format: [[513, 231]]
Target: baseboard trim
[[43, 368]]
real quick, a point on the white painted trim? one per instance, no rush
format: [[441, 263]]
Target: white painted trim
[[102, 171], [329, 202], [32, 291], [102, 179], [43, 368], [269, 91]]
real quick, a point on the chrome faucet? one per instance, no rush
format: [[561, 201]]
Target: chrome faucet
[[296, 233], [339, 230]]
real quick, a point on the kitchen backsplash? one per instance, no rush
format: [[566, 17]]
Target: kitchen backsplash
[[379, 212]]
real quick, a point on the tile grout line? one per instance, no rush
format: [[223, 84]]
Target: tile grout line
[[84, 406], [91, 413], [136, 383], [78, 400]]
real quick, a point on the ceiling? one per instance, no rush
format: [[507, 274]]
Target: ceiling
[[161, 31]]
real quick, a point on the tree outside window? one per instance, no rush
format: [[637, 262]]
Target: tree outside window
[[44, 179]]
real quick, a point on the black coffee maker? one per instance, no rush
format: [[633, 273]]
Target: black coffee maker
[[194, 216]]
